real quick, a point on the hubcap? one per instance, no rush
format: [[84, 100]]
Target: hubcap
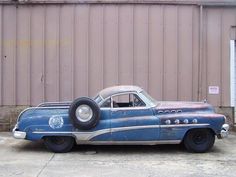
[[84, 113], [199, 138], [57, 140]]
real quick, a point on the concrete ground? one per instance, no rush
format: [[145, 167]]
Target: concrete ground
[[26, 159]]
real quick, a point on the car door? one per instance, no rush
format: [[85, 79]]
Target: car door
[[102, 131], [132, 119]]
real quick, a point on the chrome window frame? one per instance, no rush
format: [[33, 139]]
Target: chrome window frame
[[148, 106]]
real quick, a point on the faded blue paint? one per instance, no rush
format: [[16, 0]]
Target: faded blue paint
[[140, 117], [36, 120]]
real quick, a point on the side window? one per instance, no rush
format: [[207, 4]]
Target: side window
[[106, 104], [127, 100]]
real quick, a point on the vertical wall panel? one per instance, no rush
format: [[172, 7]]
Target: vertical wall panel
[[52, 53], [156, 39], [23, 56], [37, 54], [110, 63], [195, 52], [1, 53], [228, 18], [126, 45], [214, 53], [9, 55], [185, 60], [170, 53], [81, 51], [95, 50], [141, 58], [203, 63], [66, 52]]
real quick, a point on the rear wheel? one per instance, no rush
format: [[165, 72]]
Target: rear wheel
[[199, 140], [59, 144]]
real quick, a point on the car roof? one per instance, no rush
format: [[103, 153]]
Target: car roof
[[107, 92]]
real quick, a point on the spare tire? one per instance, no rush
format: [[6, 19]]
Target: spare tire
[[84, 113]]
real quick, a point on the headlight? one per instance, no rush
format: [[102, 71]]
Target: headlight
[[225, 127]]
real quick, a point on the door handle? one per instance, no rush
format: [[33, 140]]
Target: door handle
[[118, 111], [115, 110]]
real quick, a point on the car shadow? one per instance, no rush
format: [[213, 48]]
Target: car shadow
[[128, 149], [38, 146]]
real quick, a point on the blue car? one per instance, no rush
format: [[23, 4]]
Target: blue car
[[121, 115]]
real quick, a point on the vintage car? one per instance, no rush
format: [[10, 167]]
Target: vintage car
[[124, 115]]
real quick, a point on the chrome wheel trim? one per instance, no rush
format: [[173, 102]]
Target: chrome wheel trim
[[84, 113]]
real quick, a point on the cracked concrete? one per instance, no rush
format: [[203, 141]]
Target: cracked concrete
[[46, 164], [31, 159]]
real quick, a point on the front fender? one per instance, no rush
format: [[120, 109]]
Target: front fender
[[175, 126]]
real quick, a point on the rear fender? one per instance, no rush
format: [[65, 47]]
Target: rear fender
[[36, 121]]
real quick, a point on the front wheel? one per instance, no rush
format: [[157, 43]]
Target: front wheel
[[199, 140], [59, 144]]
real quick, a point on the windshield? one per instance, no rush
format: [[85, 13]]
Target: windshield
[[148, 98]]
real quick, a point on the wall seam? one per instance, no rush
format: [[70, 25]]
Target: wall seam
[[30, 56], [206, 56], [58, 68], [163, 63], [73, 56], [103, 48], [2, 43], [148, 48], [118, 44], [15, 82], [88, 50], [221, 64], [200, 59], [134, 66], [44, 78], [192, 90], [178, 53]]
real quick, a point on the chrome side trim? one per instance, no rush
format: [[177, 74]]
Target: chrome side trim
[[89, 135], [41, 132], [44, 104], [86, 136], [130, 108], [83, 136], [130, 142], [134, 118], [148, 106], [183, 125], [34, 108], [118, 129]]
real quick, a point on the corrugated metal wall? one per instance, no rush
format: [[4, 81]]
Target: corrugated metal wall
[[218, 24], [60, 52]]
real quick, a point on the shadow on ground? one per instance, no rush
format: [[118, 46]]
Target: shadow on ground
[[129, 148], [38, 146]]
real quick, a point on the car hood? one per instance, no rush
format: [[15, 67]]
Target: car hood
[[176, 106]]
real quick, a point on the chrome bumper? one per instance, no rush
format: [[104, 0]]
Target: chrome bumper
[[224, 131], [18, 134]]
